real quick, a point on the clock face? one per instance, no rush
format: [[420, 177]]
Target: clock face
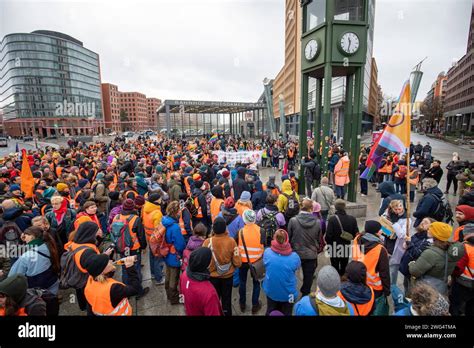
[[311, 49], [350, 43]]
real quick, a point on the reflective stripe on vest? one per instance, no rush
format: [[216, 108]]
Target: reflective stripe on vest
[[135, 194], [469, 269], [370, 261], [252, 236], [361, 309], [344, 171], [98, 296], [181, 225], [199, 209]]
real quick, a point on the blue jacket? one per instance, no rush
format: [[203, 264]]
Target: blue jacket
[[173, 236], [419, 242], [259, 198], [280, 278], [31, 263], [235, 226], [405, 312], [142, 186], [332, 162], [427, 205]]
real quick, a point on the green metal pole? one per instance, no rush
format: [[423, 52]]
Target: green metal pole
[[356, 134], [317, 119], [349, 101], [303, 127]]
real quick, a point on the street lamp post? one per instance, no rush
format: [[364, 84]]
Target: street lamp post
[[282, 115]]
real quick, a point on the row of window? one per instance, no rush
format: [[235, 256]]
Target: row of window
[[461, 105]]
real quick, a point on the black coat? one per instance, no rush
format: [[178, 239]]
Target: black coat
[[435, 173], [240, 185], [333, 230]]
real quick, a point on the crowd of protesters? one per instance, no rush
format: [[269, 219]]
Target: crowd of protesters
[[208, 226]]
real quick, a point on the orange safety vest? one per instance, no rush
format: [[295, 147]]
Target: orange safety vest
[[290, 153], [344, 171], [76, 203], [361, 309], [370, 261], [147, 220], [133, 235], [469, 269], [216, 204], [77, 257], [98, 296], [59, 171], [415, 180], [114, 183], [199, 209], [184, 232], [251, 234], [457, 233], [187, 185], [387, 168], [397, 174], [20, 313]]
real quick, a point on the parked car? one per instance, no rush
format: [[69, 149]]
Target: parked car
[[149, 133], [51, 137], [112, 134], [27, 138], [128, 134]]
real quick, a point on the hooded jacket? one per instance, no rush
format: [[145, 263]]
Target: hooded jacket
[[173, 236], [229, 215], [239, 184], [333, 229], [201, 296], [174, 190], [280, 218], [356, 293], [432, 261], [427, 205], [387, 190], [226, 251], [467, 199], [304, 233], [282, 202], [419, 242], [16, 287], [259, 197]]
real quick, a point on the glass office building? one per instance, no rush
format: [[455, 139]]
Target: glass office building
[[49, 85]]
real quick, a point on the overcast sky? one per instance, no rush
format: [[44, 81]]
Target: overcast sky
[[223, 49]]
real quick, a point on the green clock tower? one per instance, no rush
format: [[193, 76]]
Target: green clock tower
[[333, 44]]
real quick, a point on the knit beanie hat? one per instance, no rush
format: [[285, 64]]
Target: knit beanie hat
[[99, 176], [316, 207], [372, 227], [249, 216], [128, 204], [83, 182], [88, 204], [329, 281], [15, 287], [225, 173], [96, 263], [356, 272], [154, 197], [245, 196], [139, 201], [440, 231], [196, 177], [467, 210], [219, 226], [15, 188], [229, 202], [62, 187]]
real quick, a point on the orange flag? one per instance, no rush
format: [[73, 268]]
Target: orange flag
[[27, 181]]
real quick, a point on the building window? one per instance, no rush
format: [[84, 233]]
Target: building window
[[315, 14], [349, 10]]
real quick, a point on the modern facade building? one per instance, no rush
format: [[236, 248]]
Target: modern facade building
[[111, 102], [134, 104], [374, 93], [50, 84], [459, 100], [152, 106], [287, 84]]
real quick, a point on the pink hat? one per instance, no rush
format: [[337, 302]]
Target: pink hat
[[316, 207]]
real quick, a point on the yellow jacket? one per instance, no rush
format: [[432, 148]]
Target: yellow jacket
[[282, 202]]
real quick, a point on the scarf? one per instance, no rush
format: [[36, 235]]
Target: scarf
[[282, 249], [61, 212]]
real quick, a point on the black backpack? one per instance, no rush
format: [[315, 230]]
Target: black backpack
[[293, 206], [10, 232], [38, 298], [443, 211], [316, 171], [71, 276], [269, 225]]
